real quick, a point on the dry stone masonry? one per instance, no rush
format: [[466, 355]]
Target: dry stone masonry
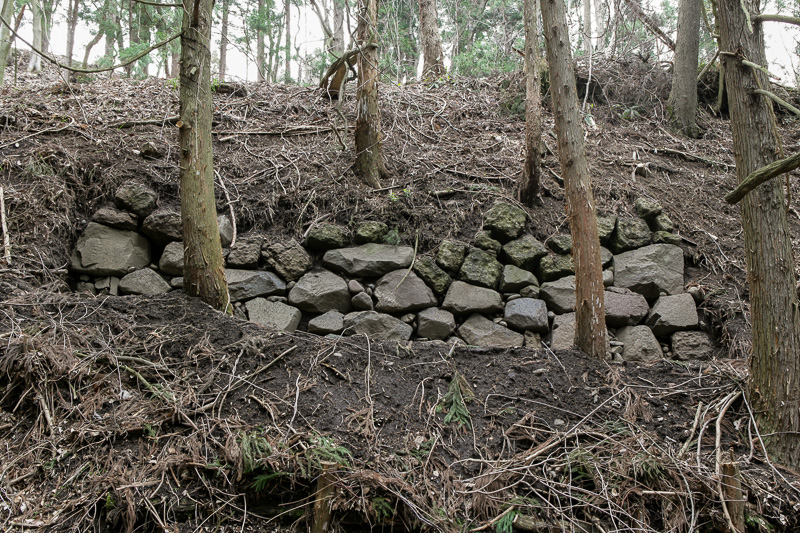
[[483, 293]]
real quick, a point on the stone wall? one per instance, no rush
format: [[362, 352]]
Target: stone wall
[[504, 289]]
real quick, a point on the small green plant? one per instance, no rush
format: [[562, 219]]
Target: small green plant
[[110, 502], [215, 83], [392, 237], [324, 449], [580, 462], [254, 448], [393, 197], [506, 522], [172, 83], [382, 508], [646, 467], [150, 431], [262, 481], [455, 402]]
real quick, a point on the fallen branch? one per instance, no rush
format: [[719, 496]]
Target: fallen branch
[[146, 122], [759, 176], [6, 239]]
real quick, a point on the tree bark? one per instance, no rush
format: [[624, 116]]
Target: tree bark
[[590, 320], [7, 12], [369, 156], [650, 23], [338, 28], [433, 57], [35, 62], [528, 189], [91, 44], [774, 385], [72, 23], [260, 51], [223, 41], [587, 27], [203, 271], [601, 24], [682, 102], [287, 8]]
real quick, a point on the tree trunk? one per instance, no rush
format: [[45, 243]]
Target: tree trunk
[[650, 23], [369, 156], [72, 23], [287, 8], [682, 102], [338, 28], [528, 190], [774, 386], [433, 66], [590, 320], [223, 41], [260, 63], [601, 24], [7, 12], [587, 27], [91, 44], [203, 271], [35, 63]]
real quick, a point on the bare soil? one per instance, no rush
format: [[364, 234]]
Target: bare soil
[[146, 414]]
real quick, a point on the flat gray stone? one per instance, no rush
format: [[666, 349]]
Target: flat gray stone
[[481, 268], [362, 302], [435, 324], [273, 314], [624, 307], [320, 291], [245, 253], [631, 233], [109, 284], [116, 218], [171, 262], [640, 344], [136, 198], [560, 244], [505, 221], [527, 314], [289, 259], [692, 345], [646, 208], [478, 330], [144, 281], [524, 253], [559, 295], [563, 336], [247, 284], [451, 255], [401, 292], [105, 251], [368, 260], [513, 279], [673, 313], [662, 223], [163, 226], [330, 322], [650, 270], [376, 326], [463, 298]]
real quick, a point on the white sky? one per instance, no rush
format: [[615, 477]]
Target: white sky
[[306, 30]]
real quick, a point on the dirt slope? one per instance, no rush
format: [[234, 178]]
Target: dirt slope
[[160, 414]]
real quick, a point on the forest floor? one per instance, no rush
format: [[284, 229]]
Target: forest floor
[[160, 414]]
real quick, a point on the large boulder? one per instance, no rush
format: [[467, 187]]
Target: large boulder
[[320, 291], [692, 345], [136, 198], [514, 279], [368, 260], [376, 326], [451, 255], [437, 279], [144, 281], [478, 330], [104, 251], [631, 233], [435, 324], [481, 268], [247, 284], [289, 259], [673, 313], [559, 295], [624, 307], [275, 315], [245, 253], [524, 252], [402, 291], [640, 344], [163, 226], [463, 298], [553, 267], [650, 270], [171, 262], [527, 314], [505, 221]]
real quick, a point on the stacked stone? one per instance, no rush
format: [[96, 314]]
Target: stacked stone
[[484, 294]]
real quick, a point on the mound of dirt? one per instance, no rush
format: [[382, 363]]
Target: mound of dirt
[[132, 413]]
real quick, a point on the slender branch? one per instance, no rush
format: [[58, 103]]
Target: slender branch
[[90, 70], [777, 18], [759, 176], [650, 23], [156, 4], [778, 100]]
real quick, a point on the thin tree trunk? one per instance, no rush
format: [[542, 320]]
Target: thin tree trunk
[[260, 57], [287, 8], [91, 44], [528, 190], [774, 386], [203, 271], [72, 23], [601, 23], [338, 28], [433, 57], [587, 27], [7, 12], [682, 102], [35, 62], [369, 156], [223, 41], [650, 23], [590, 320]]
